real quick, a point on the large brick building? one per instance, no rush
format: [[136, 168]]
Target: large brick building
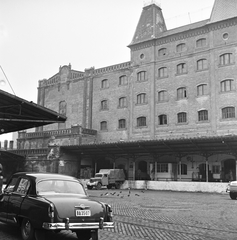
[[168, 113]]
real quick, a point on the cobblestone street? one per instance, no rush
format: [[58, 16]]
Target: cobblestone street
[[164, 215]]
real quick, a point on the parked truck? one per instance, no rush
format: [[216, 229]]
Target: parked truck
[[107, 177]]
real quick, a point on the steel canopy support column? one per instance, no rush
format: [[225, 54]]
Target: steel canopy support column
[[180, 168], [134, 170], [206, 168]]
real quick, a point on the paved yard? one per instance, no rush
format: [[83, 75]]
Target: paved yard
[[164, 215]]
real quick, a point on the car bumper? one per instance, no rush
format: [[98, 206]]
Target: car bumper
[[92, 184], [69, 226]]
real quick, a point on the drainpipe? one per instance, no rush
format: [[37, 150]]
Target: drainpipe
[[95, 167]]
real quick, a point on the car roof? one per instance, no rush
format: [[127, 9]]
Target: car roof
[[41, 176]]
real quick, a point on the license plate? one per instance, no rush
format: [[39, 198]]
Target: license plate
[[83, 213]]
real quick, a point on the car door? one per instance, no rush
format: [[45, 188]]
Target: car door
[[5, 198], [16, 198]]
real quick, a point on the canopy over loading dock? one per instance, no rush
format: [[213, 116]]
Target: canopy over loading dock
[[17, 114]]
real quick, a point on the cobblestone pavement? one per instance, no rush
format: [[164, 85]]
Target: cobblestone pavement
[[155, 215]]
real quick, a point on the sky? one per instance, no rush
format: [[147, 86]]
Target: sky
[[39, 36]]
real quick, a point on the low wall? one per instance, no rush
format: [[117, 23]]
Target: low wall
[[211, 187]]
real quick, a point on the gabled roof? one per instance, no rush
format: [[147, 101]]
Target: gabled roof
[[151, 24], [223, 9], [17, 114]]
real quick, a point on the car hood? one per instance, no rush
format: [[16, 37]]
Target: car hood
[[67, 204]]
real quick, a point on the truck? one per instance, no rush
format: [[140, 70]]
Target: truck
[[107, 177]]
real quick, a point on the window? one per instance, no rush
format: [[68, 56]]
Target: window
[[122, 102], [201, 89], [162, 72], [216, 169], [63, 108], [182, 117], [181, 93], [123, 80], [141, 98], [201, 42], [181, 68], [202, 115], [228, 112], [227, 85], [226, 59], [181, 47], [103, 125], [162, 52], [162, 119], [105, 83], [141, 121], [162, 96], [141, 76], [183, 169], [104, 105], [202, 64], [23, 186], [122, 123], [162, 167]]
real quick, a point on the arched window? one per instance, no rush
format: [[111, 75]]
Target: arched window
[[123, 80], [162, 119], [226, 59], [181, 47], [104, 83], [141, 121], [141, 98], [202, 115], [181, 68], [162, 96], [141, 76], [122, 102], [103, 125], [162, 52], [122, 123], [202, 64], [181, 93], [228, 112], [162, 72], [227, 85], [104, 105], [182, 117], [202, 42], [201, 89]]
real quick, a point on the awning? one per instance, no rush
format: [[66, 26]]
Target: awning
[[205, 146], [17, 114]]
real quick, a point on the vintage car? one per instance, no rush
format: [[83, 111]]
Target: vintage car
[[40, 202], [232, 189]]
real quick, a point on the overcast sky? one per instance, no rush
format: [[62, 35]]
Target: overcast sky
[[37, 36]]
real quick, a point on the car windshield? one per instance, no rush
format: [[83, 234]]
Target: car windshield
[[98, 175], [59, 186]]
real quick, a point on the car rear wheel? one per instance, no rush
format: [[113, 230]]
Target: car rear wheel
[[233, 195], [117, 185], [27, 230], [83, 234]]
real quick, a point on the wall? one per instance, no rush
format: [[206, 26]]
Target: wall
[[177, 186]]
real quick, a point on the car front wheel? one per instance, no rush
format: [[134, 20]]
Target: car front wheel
[[27, 230], [232, 195]]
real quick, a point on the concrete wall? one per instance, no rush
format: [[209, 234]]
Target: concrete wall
[[211, 187]]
